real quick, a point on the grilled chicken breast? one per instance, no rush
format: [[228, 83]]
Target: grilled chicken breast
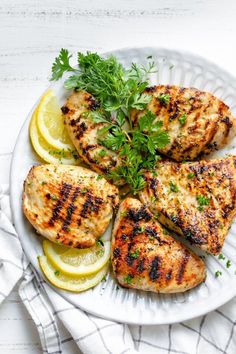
[[195, 199], [145, 257], [83, 133], [69, 205], [196, 121]]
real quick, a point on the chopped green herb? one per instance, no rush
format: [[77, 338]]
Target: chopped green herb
[[135, 254], [157, 215], [98, 177], [128, 279], [173, 187], [151, 237], [43, 183], [191, 175], [202, 201], [218, 273], [142, 228], [171, 67], [153, 199], [85, 190], [123, 214], [221, 256], [104, 278], [102, 153], [228, 263], [164, 98], [182, 118], [57, 272], [53, 197]]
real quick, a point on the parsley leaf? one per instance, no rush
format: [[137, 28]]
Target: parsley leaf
[[61, 64], [202, 201], [218, 273], [128, 279], [182, 118], [191, 175], [135, 254], [164, 99], [173, 187]]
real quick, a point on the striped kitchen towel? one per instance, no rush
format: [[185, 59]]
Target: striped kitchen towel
[[62, 326]]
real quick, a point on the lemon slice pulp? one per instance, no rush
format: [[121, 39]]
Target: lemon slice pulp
[[66, 282], [44, 150], [50, 122], [77, 262]]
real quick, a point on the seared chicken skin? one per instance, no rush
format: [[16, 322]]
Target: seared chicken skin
[[83, 132], [69, 205], [196, 121], [195, 199], [145, 257]]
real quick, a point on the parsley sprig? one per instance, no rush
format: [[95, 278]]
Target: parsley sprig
[[118, 91], [137, 149]]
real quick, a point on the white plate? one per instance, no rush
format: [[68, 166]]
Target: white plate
[[107, 300]]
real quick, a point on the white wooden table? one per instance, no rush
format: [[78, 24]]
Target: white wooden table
[[32, 33]]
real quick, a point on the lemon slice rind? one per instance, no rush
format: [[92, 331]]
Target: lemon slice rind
[[78, 270], [57, 118], [43, 149], [65, 282]]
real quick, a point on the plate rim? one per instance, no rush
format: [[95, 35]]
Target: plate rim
[[195, 312]]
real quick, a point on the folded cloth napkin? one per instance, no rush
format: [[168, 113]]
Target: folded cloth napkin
[[61, 325]]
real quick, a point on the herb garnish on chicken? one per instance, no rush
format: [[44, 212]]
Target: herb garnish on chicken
[[118, 91]]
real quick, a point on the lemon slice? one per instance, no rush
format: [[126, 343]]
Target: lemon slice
[[77, 262], [63, 281], [50, 122], [45, 151]]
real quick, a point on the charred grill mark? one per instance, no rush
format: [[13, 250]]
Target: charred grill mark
[[140, 214], [150, 89], [182, 267], [140, 266], [91, 204], [87, 205], [70, 210], [199, 169], [153, 182], [65, 109], [124, 237], [212, 146], [129, 260], [116, 252], [74, 122], [154, 273], [228, 124], [90, 160], [88, 148], [64, 193], [152, 232], [195, 237], [135, 231], [81, 128], [227, 210]]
